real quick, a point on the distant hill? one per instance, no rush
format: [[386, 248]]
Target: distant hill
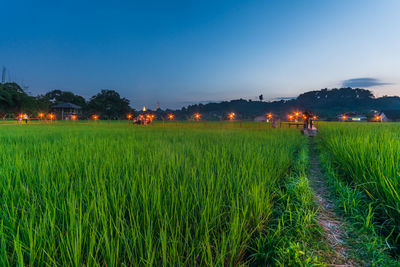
[[327, 103]]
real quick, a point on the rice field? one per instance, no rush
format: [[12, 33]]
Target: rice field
[[122, 195], [367, 156]]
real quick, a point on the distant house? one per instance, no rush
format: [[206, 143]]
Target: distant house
[[65, 111], [352, 116], [260, 119], [389, 116]]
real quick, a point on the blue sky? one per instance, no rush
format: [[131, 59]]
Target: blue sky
[[181, 52]]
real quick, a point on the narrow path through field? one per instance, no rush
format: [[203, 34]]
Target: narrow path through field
[[331, 223]]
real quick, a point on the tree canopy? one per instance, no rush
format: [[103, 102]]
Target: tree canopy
[[58, 96], [14, 100], [108, 104]]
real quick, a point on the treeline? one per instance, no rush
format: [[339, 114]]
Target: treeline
[[326, 103], [107, 104]]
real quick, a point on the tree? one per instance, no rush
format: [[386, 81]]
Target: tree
[[108, 104], [58, 96], [14, 100], [261, 97]]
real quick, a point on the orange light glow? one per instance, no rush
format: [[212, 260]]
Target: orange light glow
[[144, 109], [297, 114], [51, 116], [74, 117], [129, 116], [231, 116], [344, 118], [197, 116], [377, 118], [171, 116], [95, 117], [290, 116], [41, 115], [269, 115], [315, 117]]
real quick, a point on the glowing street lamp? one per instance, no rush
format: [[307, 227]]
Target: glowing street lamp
[[171, 117], [231, 116], [51, 116], [129, 116], [95, 117], [378, 118], [290, 117], [344, 118], [197, 116]]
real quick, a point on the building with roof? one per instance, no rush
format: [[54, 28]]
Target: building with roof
[[66, 111], [389, 116], [260, 119], [352, 116]]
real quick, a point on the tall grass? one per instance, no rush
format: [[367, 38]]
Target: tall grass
[[368, 156], [119, 194]]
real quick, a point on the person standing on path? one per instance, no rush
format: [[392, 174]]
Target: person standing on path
[[26, 118]]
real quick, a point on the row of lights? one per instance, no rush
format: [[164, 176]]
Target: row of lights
[[296, 115], [376, 118], [197, 116]]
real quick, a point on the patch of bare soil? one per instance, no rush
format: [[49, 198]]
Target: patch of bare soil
[[331, 223]]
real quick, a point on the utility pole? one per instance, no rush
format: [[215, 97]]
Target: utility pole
[[3, 75]]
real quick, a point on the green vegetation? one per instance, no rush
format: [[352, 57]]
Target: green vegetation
[[369, 248], [199, 193], [118, 194], [366, 157]]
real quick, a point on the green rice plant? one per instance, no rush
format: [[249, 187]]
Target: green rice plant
[[369, 247], [293, 238], [119, 194], [367, 155]]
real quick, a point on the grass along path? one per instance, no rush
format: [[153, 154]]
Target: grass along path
[[331, 223]]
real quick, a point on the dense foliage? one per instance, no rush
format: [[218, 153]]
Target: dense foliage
[[108, 104], [326, 103]]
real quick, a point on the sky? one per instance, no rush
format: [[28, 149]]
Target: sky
[[184, 52]]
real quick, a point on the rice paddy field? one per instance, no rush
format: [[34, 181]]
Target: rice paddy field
[[188, 194], [366, 158], [117, 194]]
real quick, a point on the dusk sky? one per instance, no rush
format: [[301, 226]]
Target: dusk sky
[[183, 52]]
